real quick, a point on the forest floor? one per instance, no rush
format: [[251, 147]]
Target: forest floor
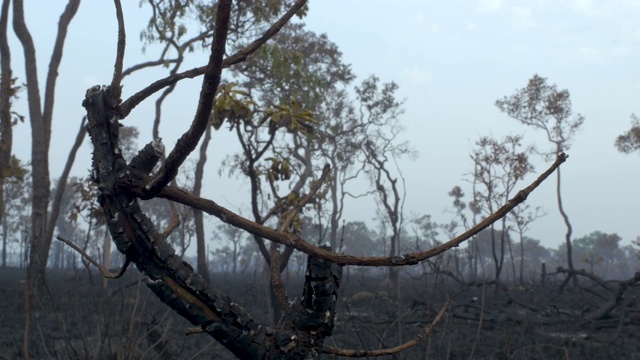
[[82, 319]]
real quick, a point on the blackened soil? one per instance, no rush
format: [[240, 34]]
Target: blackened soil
[[80, 318]]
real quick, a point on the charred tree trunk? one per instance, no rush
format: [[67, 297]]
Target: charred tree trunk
[[305, 324]]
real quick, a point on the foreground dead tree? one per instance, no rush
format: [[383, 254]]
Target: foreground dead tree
[[306, 321]]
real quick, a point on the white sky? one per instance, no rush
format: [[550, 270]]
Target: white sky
[[451, 59]]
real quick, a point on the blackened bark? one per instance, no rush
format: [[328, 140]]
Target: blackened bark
[[302, 330], [171, 279], [307, 322]]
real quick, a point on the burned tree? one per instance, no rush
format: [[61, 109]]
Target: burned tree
[[306, 321]]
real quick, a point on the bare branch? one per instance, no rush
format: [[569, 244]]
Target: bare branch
[[62, 181], [300, 244], [122, 36], [147, 64], [103, 270], [408, 345], [240, 56]]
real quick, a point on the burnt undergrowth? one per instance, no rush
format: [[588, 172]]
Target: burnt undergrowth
[[80, 318]]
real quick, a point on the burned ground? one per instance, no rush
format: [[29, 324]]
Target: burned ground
[[82, 320]]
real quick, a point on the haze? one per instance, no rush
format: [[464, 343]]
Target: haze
[[451, 59]]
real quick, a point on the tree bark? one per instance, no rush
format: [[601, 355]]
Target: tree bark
[[40, 134], [304, 326], [197, 214], [62, 181], [567, 223], [6, 130]]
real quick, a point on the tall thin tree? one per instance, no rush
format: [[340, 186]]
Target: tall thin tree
[[544, 107]]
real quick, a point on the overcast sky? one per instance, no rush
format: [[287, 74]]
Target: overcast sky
[[451, 59]]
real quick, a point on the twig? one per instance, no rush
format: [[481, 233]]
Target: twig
[[409, 344], [300, 244], [103, 270], [147, 64], [122, 36]]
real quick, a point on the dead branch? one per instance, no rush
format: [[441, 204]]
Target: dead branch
[[300, 244], [615, 301], [146, 64], [583, 272], [103, 270], [408, 345]]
